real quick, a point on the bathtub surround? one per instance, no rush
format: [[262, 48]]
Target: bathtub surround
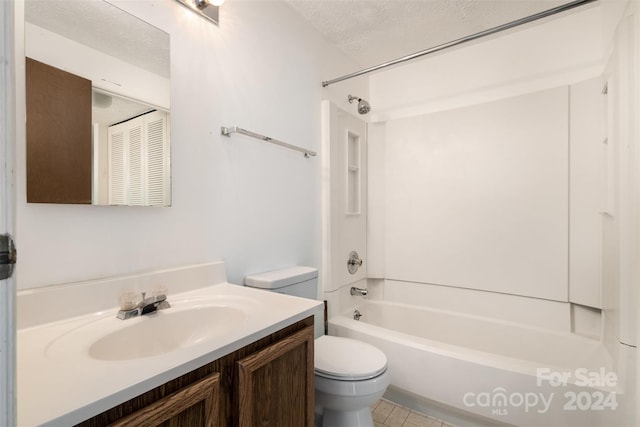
[[508, 308], [344, 195], [508, 177], [503, 210], [620, 164], [586, 191], [477, 197]]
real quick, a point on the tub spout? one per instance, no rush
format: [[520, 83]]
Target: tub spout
[[359, 291]]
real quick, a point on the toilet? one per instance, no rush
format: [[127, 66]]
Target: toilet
[[350, 375]]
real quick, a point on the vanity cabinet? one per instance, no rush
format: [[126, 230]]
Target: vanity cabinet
[[194, 405], [266, 383], [275, 384]]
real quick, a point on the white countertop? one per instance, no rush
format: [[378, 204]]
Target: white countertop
[[61, 388]]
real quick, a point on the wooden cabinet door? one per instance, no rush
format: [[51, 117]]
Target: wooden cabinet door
[[58, 135], [276, 383], [194, 405]]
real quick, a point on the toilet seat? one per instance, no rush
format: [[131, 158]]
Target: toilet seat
[[346, 359]]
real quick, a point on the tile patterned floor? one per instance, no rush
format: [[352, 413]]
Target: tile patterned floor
[[389, 414]]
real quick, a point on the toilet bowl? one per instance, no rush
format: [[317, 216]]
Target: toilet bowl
[[350, 375]]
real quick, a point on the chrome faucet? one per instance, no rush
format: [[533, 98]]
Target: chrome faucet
[[146, 306], [359, 291]]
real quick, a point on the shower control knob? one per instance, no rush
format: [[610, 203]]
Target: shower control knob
[[354, 262]]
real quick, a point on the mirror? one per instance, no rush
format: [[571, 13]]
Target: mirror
[[98, 104]]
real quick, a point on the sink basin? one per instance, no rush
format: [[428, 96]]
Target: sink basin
[[162, 332], [165, 331]]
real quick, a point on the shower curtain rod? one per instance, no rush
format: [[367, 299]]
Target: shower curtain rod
[[499, 28]]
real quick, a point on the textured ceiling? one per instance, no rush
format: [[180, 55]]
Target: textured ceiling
[[376, 31], [369, 31], [106, 28]]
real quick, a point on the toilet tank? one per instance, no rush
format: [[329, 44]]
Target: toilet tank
[[298, 281]]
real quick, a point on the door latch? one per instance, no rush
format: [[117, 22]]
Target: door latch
[[8, 256]]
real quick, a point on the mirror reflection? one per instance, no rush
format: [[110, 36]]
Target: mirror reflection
[[98, 128]]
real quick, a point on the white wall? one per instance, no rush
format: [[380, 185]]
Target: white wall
[[549, 53], [254, 205]]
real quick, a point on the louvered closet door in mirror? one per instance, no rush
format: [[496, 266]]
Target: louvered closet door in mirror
[[139, 161]]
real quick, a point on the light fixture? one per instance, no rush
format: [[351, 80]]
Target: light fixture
[[101, 100], [206, 8]]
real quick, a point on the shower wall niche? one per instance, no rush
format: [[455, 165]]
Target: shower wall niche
[[353, 174]]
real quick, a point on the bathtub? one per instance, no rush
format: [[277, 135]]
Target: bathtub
[[492, 371]]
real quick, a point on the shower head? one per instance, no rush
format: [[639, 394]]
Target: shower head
[[363, 106]]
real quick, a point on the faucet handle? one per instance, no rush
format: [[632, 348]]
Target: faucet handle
[[129, 300], [159, 296], [354, 262], [159, 290]]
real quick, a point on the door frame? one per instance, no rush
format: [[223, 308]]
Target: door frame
[[7, 212]]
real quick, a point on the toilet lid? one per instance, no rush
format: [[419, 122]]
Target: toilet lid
[[347, 359]]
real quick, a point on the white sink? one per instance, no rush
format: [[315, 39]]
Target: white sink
[[166, 331], [180, 326]]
